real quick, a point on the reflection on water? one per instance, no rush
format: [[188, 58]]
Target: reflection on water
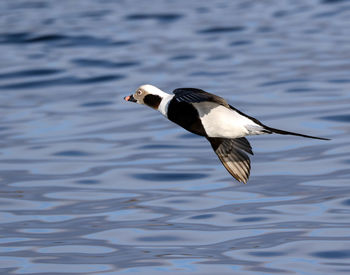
[[92, 184]]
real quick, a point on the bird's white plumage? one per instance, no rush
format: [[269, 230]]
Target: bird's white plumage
[[164, 104], [152, 89], [219, 121]]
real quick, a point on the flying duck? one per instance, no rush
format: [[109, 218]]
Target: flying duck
[[210, 116]]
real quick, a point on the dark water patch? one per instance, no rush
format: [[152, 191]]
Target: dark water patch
[[71, 153], [163, 17], [300, 90], [329, 13], [103, 78], [160, 146], [46, 38], [88, 182], [37, 147], [29, 73], [30, 5], [39, 84], [203, 217], [60, 40], [182, 57], [219, 57], [95, 14], [267, 254], [49, 21], [340, 80], [333, 1], [4, 128], [340, 118], [311, 31], [279, 82], [280, 13], [161, 238], [240, 43], [265, 29], [91, 41], [203, 73], [61, 82], [169, 176], [251, 219], [202, 10], [103, 63], [221, 30], [18, 37], [332, 254], [96, 104], [346, 202], [121, 43]]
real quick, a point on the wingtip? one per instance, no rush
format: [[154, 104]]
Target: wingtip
[[240, 179], [244, 181]]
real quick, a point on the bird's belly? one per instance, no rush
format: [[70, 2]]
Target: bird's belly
[[223, 129], [219, 121]]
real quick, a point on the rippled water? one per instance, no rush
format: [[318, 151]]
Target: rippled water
[[93, 184]]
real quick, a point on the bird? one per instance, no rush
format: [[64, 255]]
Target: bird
[[210, 116]]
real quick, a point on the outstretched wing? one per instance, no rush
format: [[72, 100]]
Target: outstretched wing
[[230, 153], [193, 95]]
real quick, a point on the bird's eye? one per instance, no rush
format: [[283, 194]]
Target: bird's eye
[[139, 92]]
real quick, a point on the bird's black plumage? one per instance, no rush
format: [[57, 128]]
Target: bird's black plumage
[[193, 95], [185, 115]]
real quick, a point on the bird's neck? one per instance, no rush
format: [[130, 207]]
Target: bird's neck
[[163, 106]]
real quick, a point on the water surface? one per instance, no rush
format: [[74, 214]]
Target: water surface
[[93, 184]]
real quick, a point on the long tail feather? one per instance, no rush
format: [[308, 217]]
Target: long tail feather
[[282, 132]]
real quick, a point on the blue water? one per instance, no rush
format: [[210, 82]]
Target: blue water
[[93, 184]]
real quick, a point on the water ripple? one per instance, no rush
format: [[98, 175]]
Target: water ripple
[[61, 81], [60, 40], [162, 17], [221, 30], [103, 63], [169, 177], [29, 73]]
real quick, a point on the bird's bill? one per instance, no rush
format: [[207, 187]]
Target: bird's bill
[[130, 98]]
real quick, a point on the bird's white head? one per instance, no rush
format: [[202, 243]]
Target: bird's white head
[[148, 95]]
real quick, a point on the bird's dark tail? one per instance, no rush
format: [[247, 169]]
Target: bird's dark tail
[[281, 132]]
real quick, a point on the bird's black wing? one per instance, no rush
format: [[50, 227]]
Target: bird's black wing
[[193, 95], [230, 153]]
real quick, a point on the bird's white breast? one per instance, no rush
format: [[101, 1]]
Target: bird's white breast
[[219, 121]]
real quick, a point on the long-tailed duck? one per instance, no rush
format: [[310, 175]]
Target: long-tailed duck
[[210, 116]]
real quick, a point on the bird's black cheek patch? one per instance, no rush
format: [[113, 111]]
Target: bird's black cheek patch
[[152, 100]]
